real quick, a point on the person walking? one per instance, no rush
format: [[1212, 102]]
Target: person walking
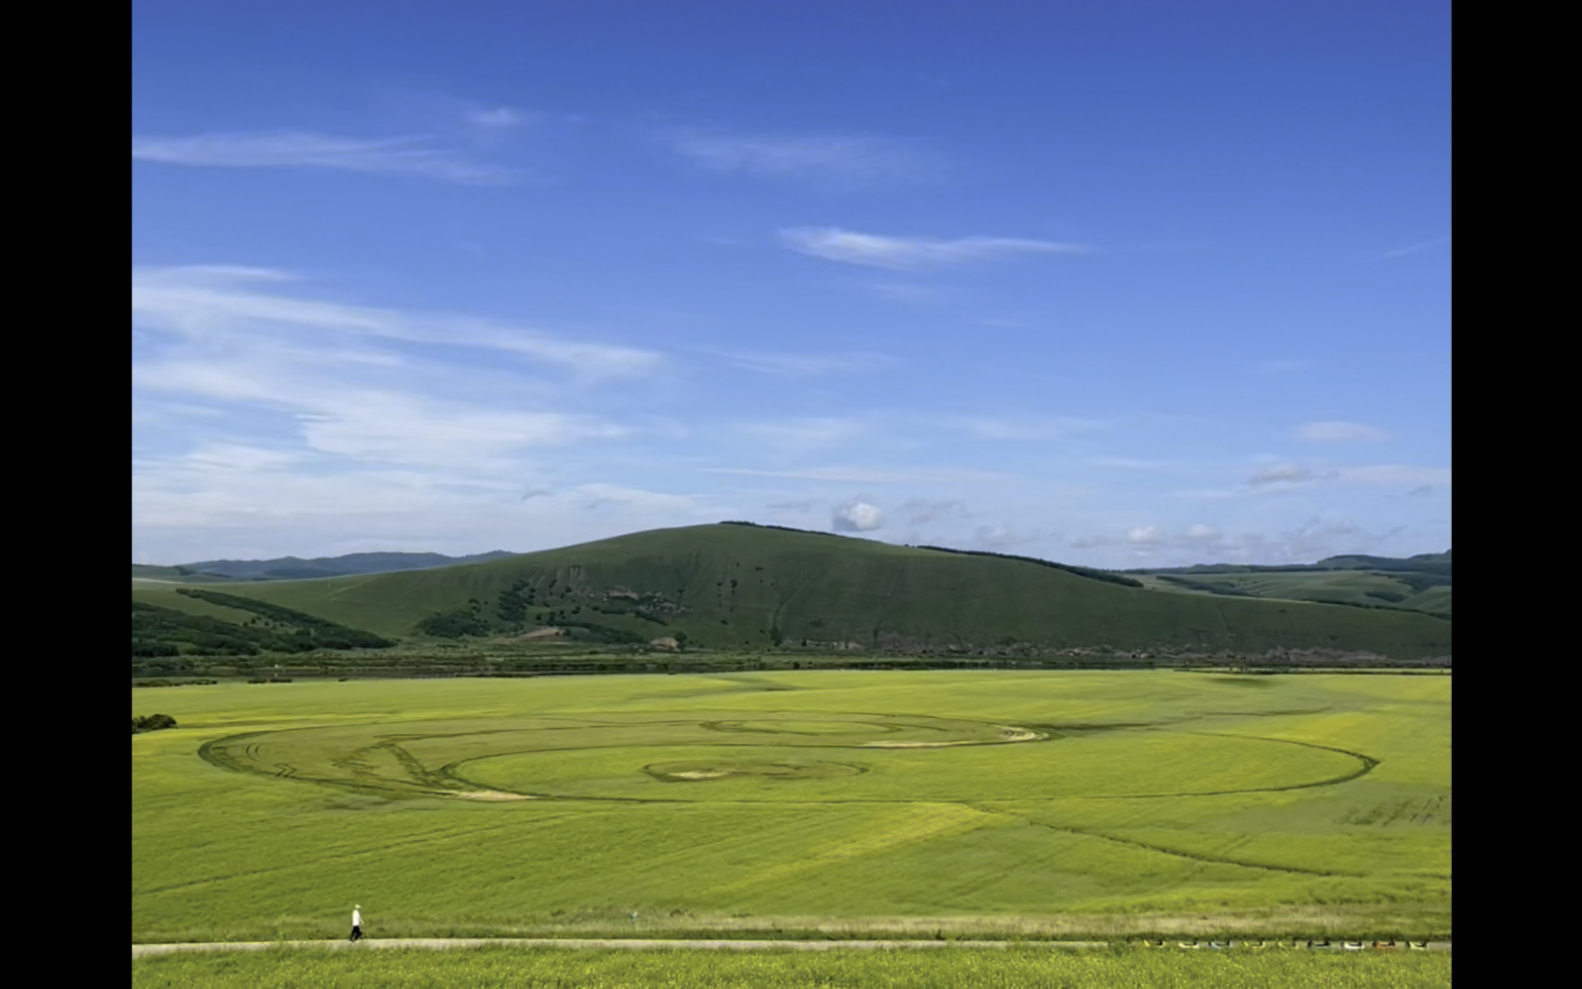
[[357, 922]]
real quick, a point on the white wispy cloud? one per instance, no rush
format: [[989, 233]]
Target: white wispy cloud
[[1340, 432], [907, 253], [804, 435], [864, 475], [1370, 475], [809, 364], [1395, 476], [1145, 534], [599, 495], [1003, 537], [919, 511], [1136, 463], [1401, 252], [398, 429], [217, 502], [1277, 477], [416, 156], [204, 301], [1280, 473], [349, 389], [272, 422], [1025, 428], [1318, 537], [499, 117], [825, 159]]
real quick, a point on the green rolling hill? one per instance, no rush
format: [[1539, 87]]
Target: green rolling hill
[[1414, 583], [737, 586]]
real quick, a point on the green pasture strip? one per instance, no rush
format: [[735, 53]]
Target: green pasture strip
[[1149, 804], [1118, 968]]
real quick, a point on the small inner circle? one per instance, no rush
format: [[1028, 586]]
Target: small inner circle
[[698, 771]]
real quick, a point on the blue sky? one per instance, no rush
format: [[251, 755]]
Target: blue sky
[[1121, 284]]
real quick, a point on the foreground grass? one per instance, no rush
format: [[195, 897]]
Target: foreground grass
[[1169, 805], [964, 969]]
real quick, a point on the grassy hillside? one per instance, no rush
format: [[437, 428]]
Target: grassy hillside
[[736, 586], [158, 630], [1360, 588], [1415, 583]]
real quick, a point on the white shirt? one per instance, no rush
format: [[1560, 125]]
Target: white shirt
[[357, 918]]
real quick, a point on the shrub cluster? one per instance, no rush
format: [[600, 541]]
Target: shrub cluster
[[160, 682], [513, 603], [1207, 586], [589, 632], [455, 624], [159, 631], [153, 722]]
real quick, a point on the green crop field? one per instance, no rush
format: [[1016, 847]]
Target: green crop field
[[1025, 967], [949, 804]]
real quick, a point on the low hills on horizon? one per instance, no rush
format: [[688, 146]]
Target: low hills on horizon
[[296, 568], [741, 586]]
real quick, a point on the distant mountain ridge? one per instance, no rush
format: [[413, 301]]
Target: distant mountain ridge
[[295, 568]]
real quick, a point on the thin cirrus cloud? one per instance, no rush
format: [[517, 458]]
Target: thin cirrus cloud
[[216, 301], [496, 118], [1372, 475], [1401, 252], [1026, 428], [863, 475], [1280, 473], [806, 365], [910, 253], [803, 435], [1395, 476], [357, 384], [1340, 432], [827, 159], [413, 156]]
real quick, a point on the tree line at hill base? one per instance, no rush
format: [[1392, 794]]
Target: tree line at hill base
[[161, 631]]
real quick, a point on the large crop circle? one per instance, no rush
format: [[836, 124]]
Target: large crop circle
[[768, 757]]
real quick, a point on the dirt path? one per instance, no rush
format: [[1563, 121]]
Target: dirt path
[[638, 944]]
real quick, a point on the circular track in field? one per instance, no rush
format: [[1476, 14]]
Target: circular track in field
[[701, 771], [836, 756]]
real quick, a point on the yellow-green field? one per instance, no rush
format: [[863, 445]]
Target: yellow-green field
[[1023, 968], [953, 804]]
